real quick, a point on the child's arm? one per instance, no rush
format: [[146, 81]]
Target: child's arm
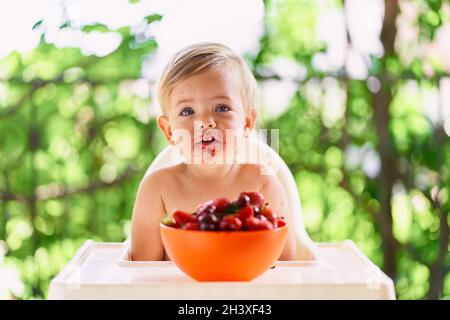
[[272, 190], [146, 243]]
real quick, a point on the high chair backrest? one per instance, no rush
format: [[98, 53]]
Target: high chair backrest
[[306, 248]]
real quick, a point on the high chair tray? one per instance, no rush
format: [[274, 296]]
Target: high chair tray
[[99, 271]]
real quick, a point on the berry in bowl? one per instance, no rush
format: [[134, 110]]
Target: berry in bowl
[[225, 240]]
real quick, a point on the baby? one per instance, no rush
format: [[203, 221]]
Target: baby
[[205, 92]]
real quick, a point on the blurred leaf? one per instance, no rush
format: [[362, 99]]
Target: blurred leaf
[[152, 18], [37, 24], [95, 27], [65, 25]]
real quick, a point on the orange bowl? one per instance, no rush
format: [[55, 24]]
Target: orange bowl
[[223, 255]]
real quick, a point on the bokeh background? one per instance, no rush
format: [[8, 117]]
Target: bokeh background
[[360, 91]]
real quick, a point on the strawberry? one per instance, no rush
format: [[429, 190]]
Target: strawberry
[[182, 217], [248, 212], [245, 212], [278, 223], [253, 223], [221, 204], [268, 213], [230, 223], [191, 226], [256, 198]]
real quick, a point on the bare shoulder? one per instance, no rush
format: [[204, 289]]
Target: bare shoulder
[[251, 170], [162, 176], [260, 173]]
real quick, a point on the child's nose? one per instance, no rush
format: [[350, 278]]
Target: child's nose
[[209, 123]]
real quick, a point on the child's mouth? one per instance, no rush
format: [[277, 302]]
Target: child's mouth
[[207, 141]]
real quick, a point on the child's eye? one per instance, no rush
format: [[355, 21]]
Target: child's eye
[[222, 108], [186, 112]]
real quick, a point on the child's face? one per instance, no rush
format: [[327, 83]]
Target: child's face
[[204, 107]]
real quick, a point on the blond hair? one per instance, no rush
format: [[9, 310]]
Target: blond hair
[[202, 56]]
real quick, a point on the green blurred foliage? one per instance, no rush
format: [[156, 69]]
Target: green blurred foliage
[[74, 146], [340, 200]]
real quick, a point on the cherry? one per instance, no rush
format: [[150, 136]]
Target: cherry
[[208, 219], [261, 217], [206, 208], [207, 226], [243, 200], [248, 212]]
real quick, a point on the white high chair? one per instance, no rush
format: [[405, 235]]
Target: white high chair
[[321, 271]]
